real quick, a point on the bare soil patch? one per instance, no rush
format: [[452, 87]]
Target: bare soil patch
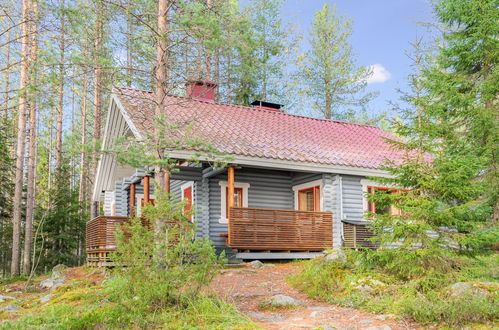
[[248, 288]]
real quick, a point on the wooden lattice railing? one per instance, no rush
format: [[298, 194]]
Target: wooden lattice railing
[[100, 238], [274, 229]]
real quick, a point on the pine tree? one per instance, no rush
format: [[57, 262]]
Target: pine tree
[[329, 73]]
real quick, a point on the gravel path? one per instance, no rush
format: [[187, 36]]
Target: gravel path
[[247, 288]]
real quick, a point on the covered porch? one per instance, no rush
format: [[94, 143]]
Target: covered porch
[[252, 213]]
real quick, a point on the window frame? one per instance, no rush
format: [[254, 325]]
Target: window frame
[[138, 203], [308, 185], [367, 205], [185, 186], [223, 198]]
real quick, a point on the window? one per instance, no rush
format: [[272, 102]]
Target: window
[[372, 207], [240, 197], [187, 194], [309, 199], [308, 196], [139, 201]]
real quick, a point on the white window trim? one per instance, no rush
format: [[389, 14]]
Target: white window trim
[[370, 183], [138, 204], [306, 185], [223, 195]]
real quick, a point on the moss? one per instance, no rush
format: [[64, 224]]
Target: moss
[[424, 298]]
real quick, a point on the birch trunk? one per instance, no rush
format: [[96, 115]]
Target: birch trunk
[[21, 127], [30, 197]]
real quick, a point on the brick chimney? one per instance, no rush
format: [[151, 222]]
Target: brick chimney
[[201, 90]]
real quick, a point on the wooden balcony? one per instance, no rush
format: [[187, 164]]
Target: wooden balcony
[[100, 239], [256, 229]]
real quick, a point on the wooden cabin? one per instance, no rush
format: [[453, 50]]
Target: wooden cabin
[[294, 187]]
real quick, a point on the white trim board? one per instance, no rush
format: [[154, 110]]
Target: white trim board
[[306, 185], [223, 198]]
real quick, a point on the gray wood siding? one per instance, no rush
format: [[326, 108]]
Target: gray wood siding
[[300, 178], [268, 189], [352, 198]]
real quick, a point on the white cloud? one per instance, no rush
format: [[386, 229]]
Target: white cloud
[[379, 74]]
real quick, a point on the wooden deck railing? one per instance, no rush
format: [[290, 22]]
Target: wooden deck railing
[[274, 229], [100, 239]]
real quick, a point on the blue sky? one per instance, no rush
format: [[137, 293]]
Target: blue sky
[[382, 32]]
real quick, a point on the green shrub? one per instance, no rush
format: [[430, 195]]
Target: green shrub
[[412, 287]]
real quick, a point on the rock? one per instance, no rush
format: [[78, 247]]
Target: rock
[[58, 270], [354, 318], [386, 327], [336, 256], [363, 287], [52, 283], [10, 308], [319, 308], [233, 271], [257, 264], [366, 321], [266, 266], [5, 298], [280, 299], [46, 298], [460, 288], [267, 318], [314, 314], [381, 317]]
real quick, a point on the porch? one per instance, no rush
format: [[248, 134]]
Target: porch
[[270, 230], [253, 233]]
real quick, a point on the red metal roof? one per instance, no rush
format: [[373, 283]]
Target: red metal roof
[[262, 133]]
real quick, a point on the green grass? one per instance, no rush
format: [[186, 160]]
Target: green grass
[[83, 305], [423, 297]]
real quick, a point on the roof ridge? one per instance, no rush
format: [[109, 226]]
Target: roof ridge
[[254, 108]]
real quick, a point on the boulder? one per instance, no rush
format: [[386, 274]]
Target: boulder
[[46, 298], [5, 298], [58, 270], [257, 264], [280, 300], [461, 288], [336, 256], [9, 308], [52, 283]]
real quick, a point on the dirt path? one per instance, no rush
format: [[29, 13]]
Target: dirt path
[[247, 288]]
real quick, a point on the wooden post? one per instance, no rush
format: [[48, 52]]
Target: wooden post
[[132, 200], [167, 181], [146, 190], [230, 197]]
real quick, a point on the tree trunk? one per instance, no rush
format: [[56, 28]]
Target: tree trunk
[[129, 60], [329, 101], [97, 95], [83, 141], [30, 197], [7, 76], [82, 188], [60, 103], [21, 127]]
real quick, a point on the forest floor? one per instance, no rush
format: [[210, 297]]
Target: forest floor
[[249, 289], [245, 287]]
